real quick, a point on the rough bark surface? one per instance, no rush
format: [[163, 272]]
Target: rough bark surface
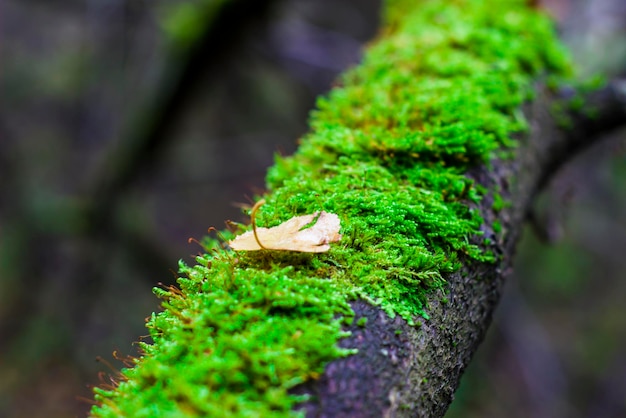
[[405, 371]]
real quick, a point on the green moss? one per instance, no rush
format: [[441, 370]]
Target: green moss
[[575, 104], [235, 346], [497, 227], [438, 94], [560, 112], [183, 23], [498, 202]]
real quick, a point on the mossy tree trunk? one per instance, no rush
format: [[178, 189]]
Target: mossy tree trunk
[[430, 153], [407, 371]]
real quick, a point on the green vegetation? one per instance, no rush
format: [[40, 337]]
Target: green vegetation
[[185, 22], [437, 94]]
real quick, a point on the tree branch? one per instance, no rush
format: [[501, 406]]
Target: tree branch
[[437, 96], [406, 371]]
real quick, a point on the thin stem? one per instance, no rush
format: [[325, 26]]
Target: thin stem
[[256, 207]]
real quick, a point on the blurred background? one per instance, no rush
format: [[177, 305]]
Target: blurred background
[[127, 127]]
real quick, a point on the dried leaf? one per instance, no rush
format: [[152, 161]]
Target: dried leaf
[[290, 235]]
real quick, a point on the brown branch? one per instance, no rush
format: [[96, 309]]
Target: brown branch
[[405, 371]]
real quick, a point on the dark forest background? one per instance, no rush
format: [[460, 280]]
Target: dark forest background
[[109, 163]]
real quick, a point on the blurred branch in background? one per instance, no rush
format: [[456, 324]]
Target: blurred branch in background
[[204, 56]]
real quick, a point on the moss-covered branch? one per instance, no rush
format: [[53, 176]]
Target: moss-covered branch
[[406, 371], [429, 152]]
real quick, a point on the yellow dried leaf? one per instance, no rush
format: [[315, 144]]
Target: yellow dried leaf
[[290, 235]]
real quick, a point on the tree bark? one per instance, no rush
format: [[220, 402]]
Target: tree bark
[[405, 371]]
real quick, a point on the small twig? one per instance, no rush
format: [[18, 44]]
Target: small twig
[[256, 207]]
